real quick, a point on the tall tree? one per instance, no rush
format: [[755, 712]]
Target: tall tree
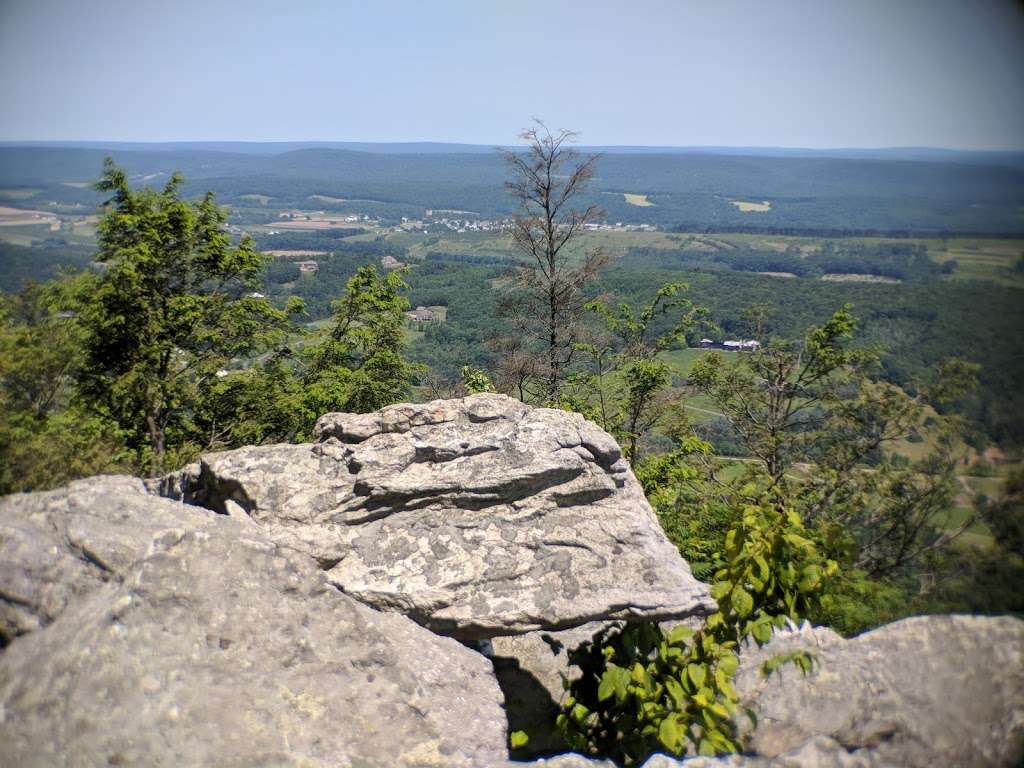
[[357, 366], [625, 386], [174, 305], [819, 428], [46, 438], [546, 305]]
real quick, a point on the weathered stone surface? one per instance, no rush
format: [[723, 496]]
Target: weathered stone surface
[[59, 546], [218, 647], [926, 691], [477, 517]]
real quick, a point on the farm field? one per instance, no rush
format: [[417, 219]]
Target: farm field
[[638, 200], [751, 207]]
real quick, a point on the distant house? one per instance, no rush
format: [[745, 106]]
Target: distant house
[[706, 343], [741, 346], [420, 315], [308, 266], [390, 262], [993, 455]]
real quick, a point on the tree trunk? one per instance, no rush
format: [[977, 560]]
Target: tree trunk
[[156, 442]]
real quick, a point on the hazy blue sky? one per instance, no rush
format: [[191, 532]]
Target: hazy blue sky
[[821, 73]]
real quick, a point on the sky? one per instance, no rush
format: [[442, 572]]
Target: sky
[[778, 73]]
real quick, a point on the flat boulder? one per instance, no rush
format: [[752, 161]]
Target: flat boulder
[[216, 646], [59, 546], [477, 517], [921, 692]]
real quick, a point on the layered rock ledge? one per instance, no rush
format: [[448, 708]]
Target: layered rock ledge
[[477, 517]]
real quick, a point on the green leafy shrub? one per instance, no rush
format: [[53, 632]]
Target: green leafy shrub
[[642, 690], [475, 380]]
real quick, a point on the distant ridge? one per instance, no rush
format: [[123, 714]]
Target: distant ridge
[[927, 154]]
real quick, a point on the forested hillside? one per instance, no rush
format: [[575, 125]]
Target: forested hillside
[[682, 190]]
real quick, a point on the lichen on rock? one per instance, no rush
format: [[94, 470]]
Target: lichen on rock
[[477, 517]]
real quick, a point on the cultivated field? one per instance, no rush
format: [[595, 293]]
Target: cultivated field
[[639, 200], [856, 278], [750, 207]]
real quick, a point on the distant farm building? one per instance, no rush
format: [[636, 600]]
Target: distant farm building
[[308, 266], [421, 315], [741, 346], [390, 262], [732, 345]]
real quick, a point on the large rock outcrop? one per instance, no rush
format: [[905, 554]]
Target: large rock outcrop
[[925, 691], [213, 646], [58, 546], [477, 517], [295, 629]]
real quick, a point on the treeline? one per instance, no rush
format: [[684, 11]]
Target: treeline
[[469, 258], [837, 232], [42, 261], [292, 240], [691, 192], [899, 261]]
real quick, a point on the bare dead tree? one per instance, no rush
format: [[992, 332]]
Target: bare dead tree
[[546, 304]]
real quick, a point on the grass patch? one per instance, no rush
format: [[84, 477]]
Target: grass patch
[[19, 193], [261, 199], [639, 200], [746, 206]]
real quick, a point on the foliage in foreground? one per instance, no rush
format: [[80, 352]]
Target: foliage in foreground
[[168, 351], [819, 522], [643, 689]]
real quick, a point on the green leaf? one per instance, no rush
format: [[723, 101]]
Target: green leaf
[[720, 589], [680, 634], [671, 735], [696, 673], [742, 601], [518, 739], [606, 688], [675, 690]]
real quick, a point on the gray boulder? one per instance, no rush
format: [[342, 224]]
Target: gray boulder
[[925, 691], [477, 517], [218, 647], [58, 546]]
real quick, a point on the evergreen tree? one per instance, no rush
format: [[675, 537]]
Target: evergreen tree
[[174, 305]]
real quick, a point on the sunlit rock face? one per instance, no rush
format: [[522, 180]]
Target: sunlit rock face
[[477, 517], [188, 638]]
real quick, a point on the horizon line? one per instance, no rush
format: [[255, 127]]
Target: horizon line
[[779, 147]]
